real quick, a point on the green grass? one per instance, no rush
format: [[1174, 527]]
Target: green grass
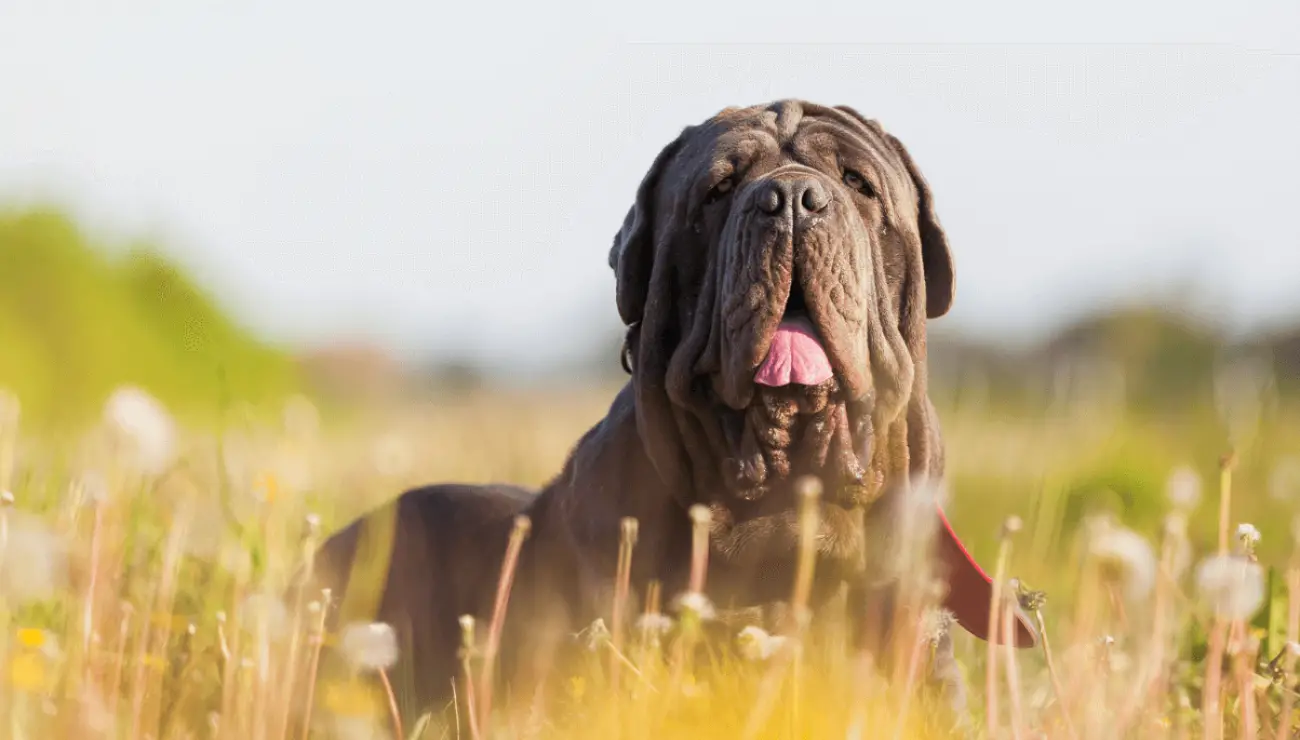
[[141, 606]]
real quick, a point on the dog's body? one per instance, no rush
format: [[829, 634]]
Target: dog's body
[[775, 273]]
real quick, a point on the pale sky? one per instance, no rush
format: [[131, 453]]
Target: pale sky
[[447, 177]]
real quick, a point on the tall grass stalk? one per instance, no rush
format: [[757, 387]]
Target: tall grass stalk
[[518, 533], [991, 718], [618, 617]]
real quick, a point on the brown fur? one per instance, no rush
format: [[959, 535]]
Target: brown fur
[[701, 283]]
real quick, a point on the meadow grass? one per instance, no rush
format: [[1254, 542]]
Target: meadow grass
[[143, 563]]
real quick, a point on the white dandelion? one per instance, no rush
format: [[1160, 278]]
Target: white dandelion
[[1249, 537], [1184, 488], [1126, 557], [696, 604], [594, 635], [144, 427], [369, 646], [1230, 586], [34, 562], [936, 624], [757, 645], [265, 611], [654, 626]]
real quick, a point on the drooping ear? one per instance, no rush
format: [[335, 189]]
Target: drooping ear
[[632, 255], [936, 259], [935, 255]]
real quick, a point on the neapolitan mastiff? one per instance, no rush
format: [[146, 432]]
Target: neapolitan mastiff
[[775, 274]]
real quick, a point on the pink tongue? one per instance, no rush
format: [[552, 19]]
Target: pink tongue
[[795, 357]]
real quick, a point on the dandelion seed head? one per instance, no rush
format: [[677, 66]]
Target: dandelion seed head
[[594, 635], [1248, 536], [35, 564], [757, 645], [144, 427], [1184, 489], [265, 611], [936, 624], [696, 604], [1125, 556], [372, 646], [1230, 586], [1012, 525], [654, 625]]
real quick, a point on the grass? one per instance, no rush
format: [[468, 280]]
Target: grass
[[140, 600]]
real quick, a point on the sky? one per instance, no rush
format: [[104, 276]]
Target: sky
[[445, 179]]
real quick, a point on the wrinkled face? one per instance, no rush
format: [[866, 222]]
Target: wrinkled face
[[776, 269]]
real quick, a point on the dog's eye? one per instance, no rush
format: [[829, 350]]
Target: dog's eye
[[720, 190], [859, 183]]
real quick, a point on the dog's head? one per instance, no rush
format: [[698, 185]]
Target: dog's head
[[776, 272], [783, 257]]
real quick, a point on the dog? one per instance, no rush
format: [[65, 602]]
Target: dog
[[775, 274]]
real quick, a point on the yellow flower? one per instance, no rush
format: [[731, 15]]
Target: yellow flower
[[577, 687], [268, 487], [27, 672], [31, 637]]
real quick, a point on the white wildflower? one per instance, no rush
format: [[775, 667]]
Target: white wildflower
[[265, 611], [594, 635], [936, 624], [35, 561], [695, 603], [757, 645], [1230, 586], [1184, 489], [371, 646], [1248, 536], [143, 426], [653, 626], [1125, 556]]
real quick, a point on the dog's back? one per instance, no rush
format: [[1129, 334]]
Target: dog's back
[[441, 547]]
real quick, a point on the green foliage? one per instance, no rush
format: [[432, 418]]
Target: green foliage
[[75, 323]]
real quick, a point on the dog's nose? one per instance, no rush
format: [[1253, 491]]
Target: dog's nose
[[814, 197], [805, 196]]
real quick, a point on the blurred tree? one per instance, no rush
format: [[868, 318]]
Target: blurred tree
[[74, 324]]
